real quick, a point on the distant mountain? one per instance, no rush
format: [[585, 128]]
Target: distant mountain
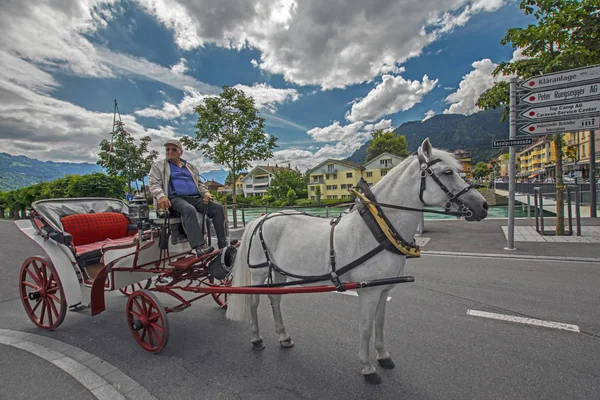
[[473, 133], [217, 175], [20, 171]]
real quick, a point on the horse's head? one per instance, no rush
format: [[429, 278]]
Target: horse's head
[[442, 186]]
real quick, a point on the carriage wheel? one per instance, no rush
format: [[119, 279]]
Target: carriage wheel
[[42, 293], [221, 298], [147, 321], [129, 289]]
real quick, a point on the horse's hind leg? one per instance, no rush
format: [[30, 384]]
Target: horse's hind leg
[[284, 339], [368, 299], [383, 357], [258, 277]]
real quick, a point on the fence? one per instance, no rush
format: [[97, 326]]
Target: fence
[[529, 188]]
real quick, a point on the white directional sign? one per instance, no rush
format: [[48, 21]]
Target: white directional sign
[[561, 78], [563, 110], [569, 125], [563, 94]]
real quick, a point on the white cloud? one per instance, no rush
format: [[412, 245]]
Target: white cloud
[[180, 68], [266, 97], [428, 115], [335, 132], [312, 42], [393, 94], [384, 124]]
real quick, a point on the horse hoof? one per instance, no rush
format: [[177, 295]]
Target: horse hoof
[[258, 345], [386, 363], [287, 343], [373, 379]]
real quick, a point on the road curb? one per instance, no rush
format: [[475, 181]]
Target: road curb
[[102, 379], [511, 256]]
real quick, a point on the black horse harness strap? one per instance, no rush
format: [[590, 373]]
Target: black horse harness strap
[[334, 275], [452, 198], [380, 226]]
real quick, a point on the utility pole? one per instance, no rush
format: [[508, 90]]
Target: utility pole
[[593, 187], [510, 245]]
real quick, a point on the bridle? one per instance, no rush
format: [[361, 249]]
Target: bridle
[[426, 170]]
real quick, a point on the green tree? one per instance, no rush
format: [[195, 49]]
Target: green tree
[[96, 185], [567, 35], [318, 194], [230, 132], [124, 158], [481, 170], [285, 179], [291, 197], [386, 142]]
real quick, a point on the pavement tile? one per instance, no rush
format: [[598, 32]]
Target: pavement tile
[[48, 342], [139, 393], [100, 366], [107, 392], [38, 350], [122, 382], [79, 355], [88, 378], [8, 339], [17, 334], [68, 365]]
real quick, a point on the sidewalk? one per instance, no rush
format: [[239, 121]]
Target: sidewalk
[[488, 236]]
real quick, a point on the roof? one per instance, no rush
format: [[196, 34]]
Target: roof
[[267, 168], [347, 163], [385, 153], [213, 182]]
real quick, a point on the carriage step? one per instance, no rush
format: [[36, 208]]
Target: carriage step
[[187, 261]]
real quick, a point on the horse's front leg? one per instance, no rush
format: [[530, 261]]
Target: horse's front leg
[[284, 339], [383, 357], [258, 277], [368, 304]]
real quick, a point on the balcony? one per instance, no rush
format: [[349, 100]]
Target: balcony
[[329, 171]]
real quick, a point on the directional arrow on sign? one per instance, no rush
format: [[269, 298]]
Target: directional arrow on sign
[[563, 77], [563, 111], [563, 94], [570, 125]]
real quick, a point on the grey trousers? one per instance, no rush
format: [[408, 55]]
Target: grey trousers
[[187, 206]]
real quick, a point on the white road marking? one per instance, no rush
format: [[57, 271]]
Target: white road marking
[[522, 320], [556, 259], [353, 293]]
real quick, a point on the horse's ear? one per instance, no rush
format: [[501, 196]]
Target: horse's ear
[[426, 150]]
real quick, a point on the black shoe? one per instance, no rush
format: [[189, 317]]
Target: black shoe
[[203, 250]]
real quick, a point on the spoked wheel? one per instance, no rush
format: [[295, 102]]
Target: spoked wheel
[[147, 321], [42, 293], [221, 298], [129, 289]]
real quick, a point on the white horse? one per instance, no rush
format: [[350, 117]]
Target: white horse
[[299, 244]]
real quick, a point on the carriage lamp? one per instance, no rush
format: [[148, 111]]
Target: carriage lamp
[[139, 212]]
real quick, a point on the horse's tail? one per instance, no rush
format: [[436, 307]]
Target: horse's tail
[[238, 305]]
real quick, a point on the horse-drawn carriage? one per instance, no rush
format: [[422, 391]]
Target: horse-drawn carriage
[[105, 245]]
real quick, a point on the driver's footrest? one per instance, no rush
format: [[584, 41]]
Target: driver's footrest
[[188, 261]]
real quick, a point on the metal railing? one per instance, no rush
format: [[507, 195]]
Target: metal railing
[[583, 189]]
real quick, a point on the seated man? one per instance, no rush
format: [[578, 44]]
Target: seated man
[[175, 184]]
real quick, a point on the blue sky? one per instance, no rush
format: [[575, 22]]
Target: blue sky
[[323, 74]]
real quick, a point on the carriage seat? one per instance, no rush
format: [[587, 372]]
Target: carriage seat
[[174, 217], [93, 232]]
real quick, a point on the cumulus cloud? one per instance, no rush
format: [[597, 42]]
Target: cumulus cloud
[[428, 115], [180, 68], [475, 83], [313, 42], [393, 94]]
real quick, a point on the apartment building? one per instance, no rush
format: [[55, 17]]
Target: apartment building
[[378, 167], [334, 177], [578, 160], [257, 181], [467, 162]]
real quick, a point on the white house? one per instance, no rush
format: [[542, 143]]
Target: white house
[[258, 180], [378, 167]]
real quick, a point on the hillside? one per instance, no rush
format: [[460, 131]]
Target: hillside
[[474, 133], [20, 171]]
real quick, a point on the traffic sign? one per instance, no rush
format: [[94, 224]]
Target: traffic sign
[[512, 142], [570, 125], [562, 94], [562, 111], [563, 77]]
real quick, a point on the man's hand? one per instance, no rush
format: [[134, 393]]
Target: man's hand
[[208, 198], [164, 203]]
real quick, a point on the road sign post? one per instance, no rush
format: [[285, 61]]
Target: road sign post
[[510, 245], [512, 142]]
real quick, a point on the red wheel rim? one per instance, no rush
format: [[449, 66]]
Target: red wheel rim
[[220, 298], [147, 321], [128, 290], [42, 293]]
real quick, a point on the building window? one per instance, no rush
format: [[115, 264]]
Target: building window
[[348, 174], [343, 186], [330, 168], [248, 186], [335, 196], [383, 173], [312, 188], [369, 174], [328, 187], [583, 150], [334, 187], [313, 198], [469, 169], [350, 186], [334, 176], [327, 177]]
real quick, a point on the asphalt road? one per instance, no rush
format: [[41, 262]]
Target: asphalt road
[[439, 350]]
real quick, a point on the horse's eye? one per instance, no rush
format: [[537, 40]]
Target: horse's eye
[[448, 172]]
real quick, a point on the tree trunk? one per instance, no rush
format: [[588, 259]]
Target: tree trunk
[[1, 212], [560, 201], [234, 197]]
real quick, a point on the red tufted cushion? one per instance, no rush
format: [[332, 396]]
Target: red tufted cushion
[[94, 227]]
